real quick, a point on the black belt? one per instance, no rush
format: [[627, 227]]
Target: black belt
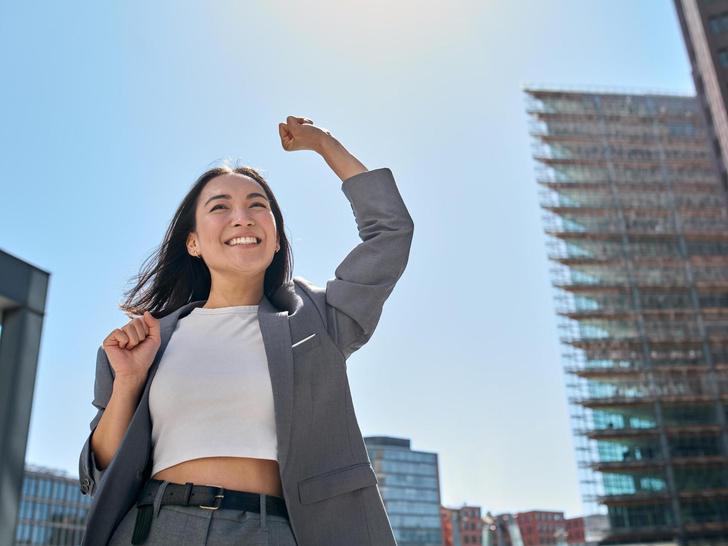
[[209, 497]]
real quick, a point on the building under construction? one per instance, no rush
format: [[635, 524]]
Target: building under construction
[[638, 239]]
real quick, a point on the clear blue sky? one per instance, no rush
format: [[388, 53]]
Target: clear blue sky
[[109, 112]]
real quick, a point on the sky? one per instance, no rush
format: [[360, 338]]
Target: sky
[[108, 113]]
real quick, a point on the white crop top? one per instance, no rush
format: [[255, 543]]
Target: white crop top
[[212, 394]]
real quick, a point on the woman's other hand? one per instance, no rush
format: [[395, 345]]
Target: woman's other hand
[[131, 349], [301, 134]]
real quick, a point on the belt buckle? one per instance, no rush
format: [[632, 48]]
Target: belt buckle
[[218, 499]]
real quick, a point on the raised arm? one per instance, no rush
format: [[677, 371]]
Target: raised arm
[[366, 277]]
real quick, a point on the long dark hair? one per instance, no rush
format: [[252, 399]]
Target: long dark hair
[[171, 278]]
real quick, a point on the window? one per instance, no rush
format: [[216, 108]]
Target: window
[[723, 56], [719, 23]]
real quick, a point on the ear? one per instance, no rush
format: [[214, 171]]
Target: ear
[[192, 248]]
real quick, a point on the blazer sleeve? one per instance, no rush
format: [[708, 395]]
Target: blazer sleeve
[[365, 278], [88, 471]]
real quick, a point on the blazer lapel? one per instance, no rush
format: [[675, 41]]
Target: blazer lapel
[[277, 341]]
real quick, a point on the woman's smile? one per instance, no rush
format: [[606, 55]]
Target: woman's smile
[[243, 241]]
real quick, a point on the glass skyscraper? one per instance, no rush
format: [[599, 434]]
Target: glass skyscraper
[[52, 509], [638, 239], [410, 486]]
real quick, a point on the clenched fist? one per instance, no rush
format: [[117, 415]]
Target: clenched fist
[[301, 134], [131, 349]]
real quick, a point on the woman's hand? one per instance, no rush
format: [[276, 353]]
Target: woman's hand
[[301, 134], [131, 349]]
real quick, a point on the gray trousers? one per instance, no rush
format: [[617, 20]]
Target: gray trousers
[[194, 526]]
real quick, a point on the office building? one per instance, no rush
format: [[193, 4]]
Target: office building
[[638, 239], [704, 25], [410, 485], [52, 508]]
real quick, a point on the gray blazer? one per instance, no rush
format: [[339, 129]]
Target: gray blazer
[[328, 482]]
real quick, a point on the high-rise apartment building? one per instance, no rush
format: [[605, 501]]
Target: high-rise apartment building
[[52, 509], [410, 485], [704, 25], [638, 238]]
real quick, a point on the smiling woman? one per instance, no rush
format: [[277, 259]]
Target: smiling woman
[[224, 413], [181, 271]]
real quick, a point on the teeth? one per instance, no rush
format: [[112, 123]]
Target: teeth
[[243, 241]]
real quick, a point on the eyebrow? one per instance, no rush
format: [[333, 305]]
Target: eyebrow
[[227, 196]]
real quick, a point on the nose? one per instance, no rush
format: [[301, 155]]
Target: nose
[[243, 218]]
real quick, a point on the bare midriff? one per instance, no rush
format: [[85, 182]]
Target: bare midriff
[[237, 473]]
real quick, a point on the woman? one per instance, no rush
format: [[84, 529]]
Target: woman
[[248, 435]]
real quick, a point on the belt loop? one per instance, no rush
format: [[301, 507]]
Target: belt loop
[[158, 497], [188, 492], [263, 522]]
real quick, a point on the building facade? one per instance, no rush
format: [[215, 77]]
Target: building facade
[[638, 239], [52, 509], [536, 527], [461, 526], [575, 530], [704, 25], [410, 485]]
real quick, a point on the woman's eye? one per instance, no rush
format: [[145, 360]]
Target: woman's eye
[[213, 208], [258, 204]]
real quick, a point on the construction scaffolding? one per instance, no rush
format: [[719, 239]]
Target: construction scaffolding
[[638, 238]]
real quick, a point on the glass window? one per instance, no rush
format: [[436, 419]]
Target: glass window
[[400, 467], [405, 480], [57, 491], [27, 486], [719, 23], [412, 508]]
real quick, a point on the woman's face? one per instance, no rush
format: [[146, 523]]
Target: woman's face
[[231, 209]]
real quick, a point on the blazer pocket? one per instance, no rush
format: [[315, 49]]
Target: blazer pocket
[[305, 345], [336, 482]]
